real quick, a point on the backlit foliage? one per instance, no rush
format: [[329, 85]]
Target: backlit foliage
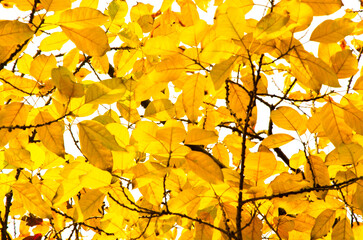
[[134, 121]]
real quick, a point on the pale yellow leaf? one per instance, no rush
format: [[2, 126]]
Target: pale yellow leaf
[[14, 32], [277, 140], [51, 135], [198, 136], [204, 167], [92, 41], [323, 224]]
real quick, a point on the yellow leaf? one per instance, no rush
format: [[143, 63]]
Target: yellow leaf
[[202, 231], [55, 41], [56, 5], [20, 158], [24, 63], [312, 71], [71, 59], [231, 24], [222, 71], [81, 17], [324, 7], [67, 189], [64, 80], [344, 63], [92, 147], [331, 31], [193, 94], [345, 154], [106, 91], [272, 25], [289, 119], [13, 114], [323, 224], [125, 60], [89, 3], [89, 205], [98, 132], [161, 45], [117, 10], [326, 50], [198, 136], [342, 231], [17, 82], [353, 117], [42, 66], [31, 198], [187, 201], [277, 140], [286, 182], [300, 14], [331, 117], [101, 64], [160, 110], [94, 177], [128, 112], [259, 166], [51, 135], [92, 41], [220, 152], [238, 100], [253, 230], [121, 133], [204, 167], [172, 133], [14, 32], [218, 51], [194, 34], [316, 171]]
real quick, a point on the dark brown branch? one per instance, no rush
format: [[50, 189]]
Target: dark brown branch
[[305, 190], [8, 202], [10, 128]]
